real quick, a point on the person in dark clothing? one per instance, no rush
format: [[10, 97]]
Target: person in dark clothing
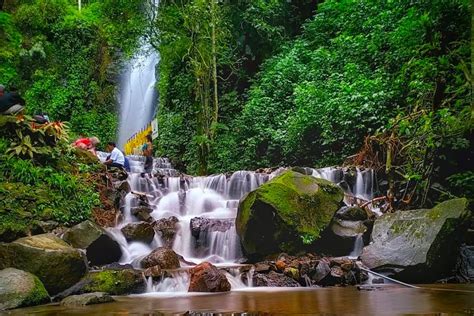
[[147, 150], [11, 102]]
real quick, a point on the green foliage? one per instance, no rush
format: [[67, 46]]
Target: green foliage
[[10, 40], [66, 62], [309, 92], [46, 183], [252, 31]]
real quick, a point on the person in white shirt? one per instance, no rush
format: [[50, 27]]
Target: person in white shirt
[[116, 157]]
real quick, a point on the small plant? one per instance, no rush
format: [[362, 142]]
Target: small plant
[[24, 147]]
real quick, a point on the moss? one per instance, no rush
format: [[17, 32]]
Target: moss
[[115, 282], [287, 212], [39, 295], [244, 211]]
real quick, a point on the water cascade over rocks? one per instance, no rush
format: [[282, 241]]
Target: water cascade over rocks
[[195, 216]]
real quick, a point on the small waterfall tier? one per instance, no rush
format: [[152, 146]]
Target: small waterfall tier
[[203, 210]]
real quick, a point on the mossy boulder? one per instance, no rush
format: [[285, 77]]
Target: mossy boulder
[[114, 282], [20, 288], [286, 213], [52, 260], [418, 245], [87, 299], [99, 246]]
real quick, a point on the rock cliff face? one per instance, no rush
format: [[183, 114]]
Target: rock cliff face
[[286, 213], [419, 245]]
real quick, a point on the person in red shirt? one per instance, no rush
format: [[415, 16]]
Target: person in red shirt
[[87, 143]]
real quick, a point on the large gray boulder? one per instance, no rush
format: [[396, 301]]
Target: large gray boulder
[[286, 214], [419, 245], [53, 261], [20, 288], [99, 246]]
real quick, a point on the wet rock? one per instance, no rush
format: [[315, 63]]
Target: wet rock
[[122, 186], [303, 170], [117, 266], [53, 261], [142, 199], [420, 245], [201, 225], [43, 227], [113, 282], [280, 265], [87, 299], [19, 288], [341, 236], [117, 174], [284, 212], [207, 278], [141, 231], [273, 279], [262, 267], [465, 265], [351, 213], [293, 273], [164, 257], [99, 246], [344, 228], [321, 271], [142, 213], [167, 228], [9, 234], [154, 272]]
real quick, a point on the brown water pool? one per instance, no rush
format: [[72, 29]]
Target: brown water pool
[[391, 300]]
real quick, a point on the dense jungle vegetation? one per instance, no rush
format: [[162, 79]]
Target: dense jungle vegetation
[[66, 62], [261, 83], [385, 83]]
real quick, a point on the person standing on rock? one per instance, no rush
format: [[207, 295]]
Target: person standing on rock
[[147, 150], [116, 157]]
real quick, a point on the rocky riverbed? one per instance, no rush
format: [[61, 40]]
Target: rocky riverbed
[[292, 229]]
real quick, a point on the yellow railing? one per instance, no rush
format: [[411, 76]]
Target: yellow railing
[[134, 143]]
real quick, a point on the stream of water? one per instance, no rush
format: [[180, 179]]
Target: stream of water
[[392, 300], [214, 198], [138, 95]]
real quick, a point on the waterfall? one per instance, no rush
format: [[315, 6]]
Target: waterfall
[[211, 202], [138, 96], [358, 246]]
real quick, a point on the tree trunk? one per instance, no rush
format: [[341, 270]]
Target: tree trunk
[[214, 69]]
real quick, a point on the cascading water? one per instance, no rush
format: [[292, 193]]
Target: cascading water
[[208, 204], [138, 96], [358, 246]]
